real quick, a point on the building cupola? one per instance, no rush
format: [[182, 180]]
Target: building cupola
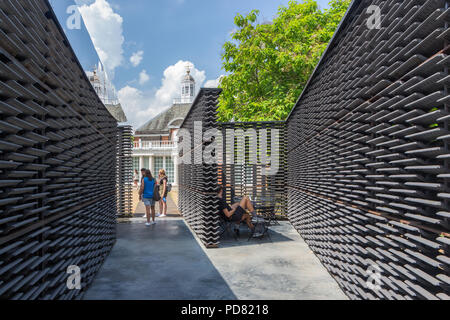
[[187, 87]]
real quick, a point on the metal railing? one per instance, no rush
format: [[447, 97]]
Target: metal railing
[[152, 145]]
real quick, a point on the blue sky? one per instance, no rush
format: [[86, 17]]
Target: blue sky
[[162, 36]]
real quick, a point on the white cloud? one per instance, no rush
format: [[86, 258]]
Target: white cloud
[[213, 83], [171, 82], [142, 106], [136, 58], [137, 105], [105, 29], [143, 77]]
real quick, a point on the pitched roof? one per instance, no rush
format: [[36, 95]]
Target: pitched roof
[[117, 112], [160, 123]]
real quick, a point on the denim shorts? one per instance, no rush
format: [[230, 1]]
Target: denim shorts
[[148, 202], [238, 214]]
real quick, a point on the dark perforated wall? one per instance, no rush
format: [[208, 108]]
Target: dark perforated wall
[[368, 168], [198, 181], [124, 175], [57, 160]]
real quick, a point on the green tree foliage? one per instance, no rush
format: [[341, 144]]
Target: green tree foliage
[[268, 64]]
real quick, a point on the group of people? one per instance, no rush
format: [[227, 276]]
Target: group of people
[[155, 190], [151, 191]]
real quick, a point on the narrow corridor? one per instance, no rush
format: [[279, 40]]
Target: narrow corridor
[[166, 261]]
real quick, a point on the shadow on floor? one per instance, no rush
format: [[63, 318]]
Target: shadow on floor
[[162, 262], [169, 215], [139, 212], [228, 239]]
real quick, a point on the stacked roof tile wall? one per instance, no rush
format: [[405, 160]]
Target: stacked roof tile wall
[[368, 153], [124, 172], [57, 160], [241, 170], [198, 181]]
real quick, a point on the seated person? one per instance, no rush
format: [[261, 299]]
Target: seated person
[[236, 213]]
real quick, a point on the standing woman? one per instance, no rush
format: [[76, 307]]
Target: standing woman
[[146, 194], [162, 177]]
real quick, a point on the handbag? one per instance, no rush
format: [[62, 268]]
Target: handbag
[[156, 196]]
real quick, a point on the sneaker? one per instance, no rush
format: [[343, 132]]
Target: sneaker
[[158, 215], [148, 224], [153, 223], [163, 215]]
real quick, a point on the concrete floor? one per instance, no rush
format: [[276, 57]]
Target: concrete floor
[[161, 262], [284, 269], [167, 261]]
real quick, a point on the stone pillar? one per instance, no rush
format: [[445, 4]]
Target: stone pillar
[[150, 164], [141, 165], [175, 170]]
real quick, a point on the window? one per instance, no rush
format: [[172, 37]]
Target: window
[[158, 164], [146, 162], [170, 169], [192, 90], [136, 164]]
